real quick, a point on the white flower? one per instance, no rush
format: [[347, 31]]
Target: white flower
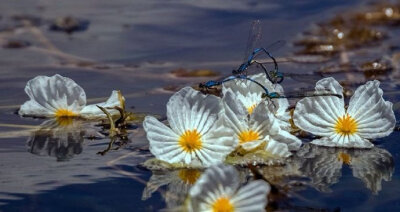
[[196, 135], [249, 94], [368, 115], [218, 190], [257, 129], [59, 96]]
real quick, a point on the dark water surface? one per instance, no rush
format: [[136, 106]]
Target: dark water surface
[[132, 46]]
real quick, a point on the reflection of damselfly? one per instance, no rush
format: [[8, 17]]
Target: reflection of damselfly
[[252, 52], [271, 95]]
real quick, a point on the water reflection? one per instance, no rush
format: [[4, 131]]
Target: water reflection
[[324, 166], [177, 182], [61, 138]]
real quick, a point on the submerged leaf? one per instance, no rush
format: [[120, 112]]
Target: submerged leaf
[[259, 157], [156, 164]]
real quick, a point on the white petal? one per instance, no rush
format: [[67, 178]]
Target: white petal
[[277, 148], [215, 182], [236, 116], [217, 144], [318, 115], [32, 108], [250, 145], [189, 109], [52, 93], [163, 141], [273, 127], [92, 111], [329, 84], [375, 117], [292, 142], [244, 91], [252, 197]]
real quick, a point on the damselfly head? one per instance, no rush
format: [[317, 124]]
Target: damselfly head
[[264, 95], [209, 84]]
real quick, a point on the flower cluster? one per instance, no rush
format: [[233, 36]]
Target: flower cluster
[[203, 130]]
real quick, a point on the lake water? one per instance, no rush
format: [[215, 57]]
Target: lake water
[[133, 47]]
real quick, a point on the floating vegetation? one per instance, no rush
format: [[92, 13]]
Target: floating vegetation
[[381, 14], [350, 31], [369, 68], [181, 72], [117, 129], [328, 40]]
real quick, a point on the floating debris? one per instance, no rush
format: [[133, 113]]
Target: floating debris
[[370, 69], [16, 44], [381, 15], [69, 24], [181, 72], [328, 40]]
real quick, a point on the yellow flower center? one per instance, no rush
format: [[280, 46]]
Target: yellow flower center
[[248, 135], [190, 141], [64, 113], [189, 176], [222, 205], [346, 125], [251, 108], [344, 158]]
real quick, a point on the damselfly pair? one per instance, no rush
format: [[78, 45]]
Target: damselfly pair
[[273, 76]]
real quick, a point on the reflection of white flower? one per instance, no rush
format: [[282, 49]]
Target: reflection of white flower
[[259, 129], [368, 116], [195, 136], [178, 183], [324, 165], [218, 190], [61, 138], [59, 96]]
